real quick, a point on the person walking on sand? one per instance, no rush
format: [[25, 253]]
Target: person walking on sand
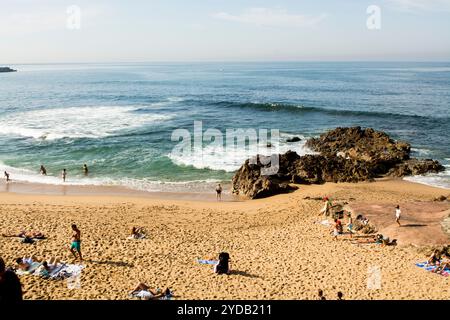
[[42, 170], [75, 246], [64, 175], [85, 170], [398, 213], [219, 192], [7, 177]]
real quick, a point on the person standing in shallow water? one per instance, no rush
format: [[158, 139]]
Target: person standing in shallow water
[[85, 170], [42, 170], [219, 192], [64, 175], [398, 213], [7, 177]]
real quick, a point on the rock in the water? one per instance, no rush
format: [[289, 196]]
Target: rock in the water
[[415, 167], [346, 155], [293, 139]]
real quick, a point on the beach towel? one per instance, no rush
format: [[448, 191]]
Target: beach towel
[[212, 262], [31, 269], [431, 268], [325, 223], [67, 271]]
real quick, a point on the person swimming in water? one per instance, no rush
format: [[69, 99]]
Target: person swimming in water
[[42, 170], [85, 169]]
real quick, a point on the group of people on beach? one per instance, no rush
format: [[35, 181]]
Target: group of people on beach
[[43, 171], [440, 259]]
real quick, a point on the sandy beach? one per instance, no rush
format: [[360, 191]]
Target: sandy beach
[[278, 248]]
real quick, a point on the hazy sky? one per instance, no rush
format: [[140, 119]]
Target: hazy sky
[[221, 30]]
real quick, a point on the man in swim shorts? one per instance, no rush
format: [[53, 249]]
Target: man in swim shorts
[[75, 246], [219, 192]]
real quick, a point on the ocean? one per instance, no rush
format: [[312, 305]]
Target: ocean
[[119, 118]]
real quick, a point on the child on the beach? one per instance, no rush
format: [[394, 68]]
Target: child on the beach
[[398, 213], [75, 246]]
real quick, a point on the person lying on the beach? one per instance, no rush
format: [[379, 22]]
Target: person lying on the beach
[[137, 233], [24, 264], [378, 239], [144, 292], [26, 234], [48, 266], [435, 258]]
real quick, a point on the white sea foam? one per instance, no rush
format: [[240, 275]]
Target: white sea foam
[[231, 159], [75, 122], [441, 180], [29, 176]]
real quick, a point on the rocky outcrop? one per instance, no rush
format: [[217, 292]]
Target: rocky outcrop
[[344, 155], [415, 167], [7, 69]]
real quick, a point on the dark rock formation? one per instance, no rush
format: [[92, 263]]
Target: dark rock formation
[[7, 69], [415, 167], [293, 139], [345, 155]]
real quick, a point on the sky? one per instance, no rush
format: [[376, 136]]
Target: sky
[[60, 31]]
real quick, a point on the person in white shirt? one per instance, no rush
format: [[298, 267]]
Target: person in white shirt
[[398, 213]]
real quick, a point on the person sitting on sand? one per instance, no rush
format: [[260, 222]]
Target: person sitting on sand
[[42, 170], [219, 192], [144, 292], [7, 177], [25, 264], [435, 258], [373, 239], [75, 246], [340, 296], [223, 266], [137, 233]]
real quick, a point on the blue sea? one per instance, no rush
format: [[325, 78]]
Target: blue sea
[[119, 118]]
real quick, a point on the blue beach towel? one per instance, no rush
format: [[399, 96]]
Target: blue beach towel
[[431, 268], [208, 262]]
